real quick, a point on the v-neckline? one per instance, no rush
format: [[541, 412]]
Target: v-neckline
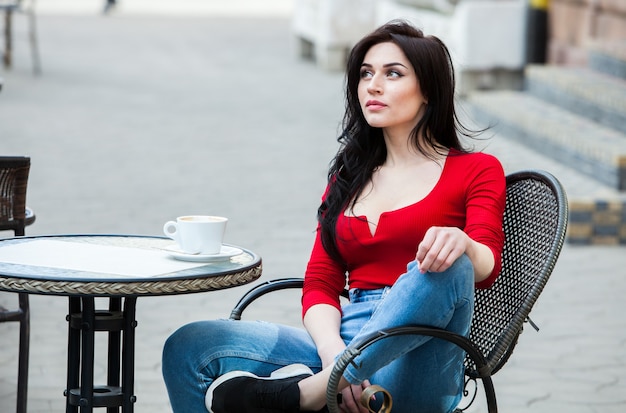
[[372, 228]]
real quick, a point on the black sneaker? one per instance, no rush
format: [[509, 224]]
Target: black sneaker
[[241, 391]]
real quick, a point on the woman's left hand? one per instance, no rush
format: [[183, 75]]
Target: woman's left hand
[[440, 248]]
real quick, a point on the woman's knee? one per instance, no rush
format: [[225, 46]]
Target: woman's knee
[[462, 270], [194, 341], [462, 273], [182, 337], [463, 263], [177, 345]]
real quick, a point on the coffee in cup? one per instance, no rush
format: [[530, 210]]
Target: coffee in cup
[[197, 234]]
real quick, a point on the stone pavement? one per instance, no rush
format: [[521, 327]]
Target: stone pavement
[[138, 119]]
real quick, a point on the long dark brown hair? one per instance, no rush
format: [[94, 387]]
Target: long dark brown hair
[[362, 147]]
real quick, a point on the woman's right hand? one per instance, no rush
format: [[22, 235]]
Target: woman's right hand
[[351, 398]]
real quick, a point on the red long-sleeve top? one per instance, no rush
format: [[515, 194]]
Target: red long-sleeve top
[[470, 195]]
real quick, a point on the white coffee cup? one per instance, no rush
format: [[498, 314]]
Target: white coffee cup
[[197, 234]]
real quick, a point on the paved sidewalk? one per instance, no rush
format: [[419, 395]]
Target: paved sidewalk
[[140, 119]]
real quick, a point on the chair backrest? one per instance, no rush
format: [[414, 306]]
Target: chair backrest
[[13, 182], [535, 222]]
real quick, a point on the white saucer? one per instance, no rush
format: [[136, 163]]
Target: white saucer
[[225, 253]]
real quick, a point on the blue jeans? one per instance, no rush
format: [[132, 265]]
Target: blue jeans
[[421, 373]]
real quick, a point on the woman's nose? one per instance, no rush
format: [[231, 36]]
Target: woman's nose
[[374, 86]]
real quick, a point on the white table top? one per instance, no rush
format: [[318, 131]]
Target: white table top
[[110, 265]]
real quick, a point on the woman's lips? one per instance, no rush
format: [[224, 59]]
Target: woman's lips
[[374, 105]]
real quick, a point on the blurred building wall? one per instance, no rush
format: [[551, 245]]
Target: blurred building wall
[[577, 25]]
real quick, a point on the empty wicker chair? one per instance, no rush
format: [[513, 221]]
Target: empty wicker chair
[[535, 222], [15, 216]]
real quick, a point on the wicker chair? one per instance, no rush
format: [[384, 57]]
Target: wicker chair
[[10, 7], [15, 216], [535, 221]]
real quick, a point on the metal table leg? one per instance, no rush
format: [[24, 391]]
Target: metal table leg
[[113, 368], [84, 321], [73, 354], [128, 355]]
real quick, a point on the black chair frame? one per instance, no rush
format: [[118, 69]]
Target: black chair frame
[[536, 213]]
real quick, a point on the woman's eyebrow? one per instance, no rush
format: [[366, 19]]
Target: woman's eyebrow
[[385, 65]]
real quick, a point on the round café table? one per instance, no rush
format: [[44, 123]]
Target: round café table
[[120, 268]]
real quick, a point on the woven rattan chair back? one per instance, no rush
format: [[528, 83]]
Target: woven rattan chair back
[[535, 220], [15, 216], [13, 182]]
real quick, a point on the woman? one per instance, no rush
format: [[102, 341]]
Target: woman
[[409, 216]]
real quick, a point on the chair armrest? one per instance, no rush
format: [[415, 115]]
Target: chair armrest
[[266, 287], [482, 369], [262, 289]]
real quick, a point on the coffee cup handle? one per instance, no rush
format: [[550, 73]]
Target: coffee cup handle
[[167, 230]]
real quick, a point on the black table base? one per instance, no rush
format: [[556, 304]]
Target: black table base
[[84, 321]]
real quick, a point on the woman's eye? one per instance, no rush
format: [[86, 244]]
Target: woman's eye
[[365, 74], [394, 74]]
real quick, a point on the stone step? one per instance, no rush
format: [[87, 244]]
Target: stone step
[[582, 91], [608, 57], [597, 212], [595, 150]]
